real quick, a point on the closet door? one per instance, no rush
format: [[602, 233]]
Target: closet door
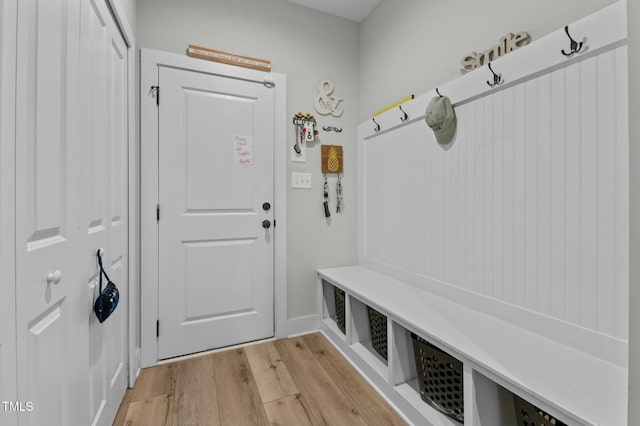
[[71, 181], [7, 235], [104, 109], [115, 328], [70, 202], [51, 314], [51, 281]]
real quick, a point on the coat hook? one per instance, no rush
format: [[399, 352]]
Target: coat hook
[[438, 92], [575, 46], [377, 128], [332, 129], [497, 78], [404, 116]]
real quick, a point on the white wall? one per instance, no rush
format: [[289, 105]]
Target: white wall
[[307, 46], [411, 46], [129, 8], [528, 206]]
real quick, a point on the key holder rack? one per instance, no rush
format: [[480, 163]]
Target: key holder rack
[[305, 130], [301, 119], [332, 164]]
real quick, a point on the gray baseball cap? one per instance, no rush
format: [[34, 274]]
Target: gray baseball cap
[[441, 117]]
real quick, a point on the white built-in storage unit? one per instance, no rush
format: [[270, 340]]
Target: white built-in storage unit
[[507, 248], [571, 384]]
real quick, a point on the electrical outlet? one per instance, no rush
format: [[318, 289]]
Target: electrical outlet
[[301, 180]]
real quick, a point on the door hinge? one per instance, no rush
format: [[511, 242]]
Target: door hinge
[[155, 90], [157, 328], [158, 212], [268, 82]]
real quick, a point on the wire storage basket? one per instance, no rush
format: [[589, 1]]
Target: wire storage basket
[[338, 297], [378, 331], [440, 378], [530, 415]]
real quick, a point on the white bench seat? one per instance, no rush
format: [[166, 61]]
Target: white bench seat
[[569, 381]]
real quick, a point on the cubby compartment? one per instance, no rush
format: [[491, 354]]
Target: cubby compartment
[[339, 303], [378, 330], [440, 378], [334, 308], [494, 403], [528, 414], [498, 405], [440, 403], [367, 345]]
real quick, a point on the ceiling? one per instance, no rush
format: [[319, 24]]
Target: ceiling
[[355, 10]]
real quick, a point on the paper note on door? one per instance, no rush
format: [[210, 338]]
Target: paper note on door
[[243, 149]]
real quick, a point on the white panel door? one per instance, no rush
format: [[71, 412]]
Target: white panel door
[[114, 341], [104, 108], [8, 392], [216, 172], [51, 315], [70, 201]]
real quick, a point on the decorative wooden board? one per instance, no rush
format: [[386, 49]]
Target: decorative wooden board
[[332, 159], [228, 58]]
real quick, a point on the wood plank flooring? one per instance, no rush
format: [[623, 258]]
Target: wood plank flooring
[[300, 381]]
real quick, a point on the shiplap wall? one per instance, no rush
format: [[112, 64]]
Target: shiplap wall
[[529, 205]]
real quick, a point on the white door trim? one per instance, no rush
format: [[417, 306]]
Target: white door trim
[[149, 62], [133, 349]]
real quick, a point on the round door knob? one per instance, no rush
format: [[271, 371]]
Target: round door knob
[[266, 224], [54, 277], [266, 207]]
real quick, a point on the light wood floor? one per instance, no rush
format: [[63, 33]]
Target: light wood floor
[[297, 382]]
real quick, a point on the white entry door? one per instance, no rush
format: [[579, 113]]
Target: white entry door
[[215, 221]]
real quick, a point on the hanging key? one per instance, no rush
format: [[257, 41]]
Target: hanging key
[[327, 213], [339, 195], [299, 139]]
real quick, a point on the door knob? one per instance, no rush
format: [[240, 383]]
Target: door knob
[[266, 224], [54, 277]]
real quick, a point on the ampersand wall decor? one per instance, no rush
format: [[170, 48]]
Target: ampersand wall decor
[[326, 104]]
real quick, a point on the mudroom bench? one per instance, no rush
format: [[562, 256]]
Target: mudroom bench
[[499, 358]]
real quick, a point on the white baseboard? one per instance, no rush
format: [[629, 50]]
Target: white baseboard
[[134, 372], [303, 325]]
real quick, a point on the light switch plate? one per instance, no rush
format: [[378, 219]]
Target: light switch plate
[[298, 158], [301, 180]]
